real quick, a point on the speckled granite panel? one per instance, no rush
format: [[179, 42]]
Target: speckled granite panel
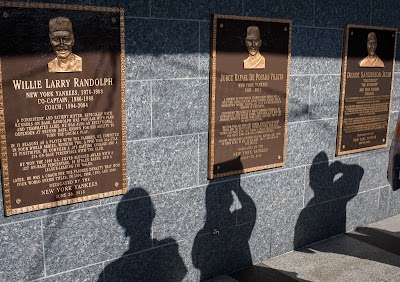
[[324, 99], [205, 49], [260, 240], [277, 197], [194, 9], [281, 228], [137, 8], [306, 140], [21, 251], [301, 12], [384, 13], [260, 191], [337, 13], [316, 51], [180, 107], [162, 165], [288, 187], [203, 158], [161, 48], [138, 110], [383, 203], [375, 167], [326, 181], [108, 232], [396, 93], [299, 95], [351, 212], [180, 214], [88, 274]]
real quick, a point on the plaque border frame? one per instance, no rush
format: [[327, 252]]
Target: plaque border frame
[[347, 27], [213, 71], [4, 160]]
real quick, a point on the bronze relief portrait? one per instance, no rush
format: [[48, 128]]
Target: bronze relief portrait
[[253, 43], [62, 40], [372, 60]]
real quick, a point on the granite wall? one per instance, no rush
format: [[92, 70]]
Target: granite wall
[[174, 224]]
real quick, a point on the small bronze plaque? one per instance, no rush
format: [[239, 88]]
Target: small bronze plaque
[[62, 104], [366, 88], [249, 93]]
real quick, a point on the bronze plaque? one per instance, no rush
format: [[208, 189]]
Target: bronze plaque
[[62, 99], [366, 88], [249, 93]]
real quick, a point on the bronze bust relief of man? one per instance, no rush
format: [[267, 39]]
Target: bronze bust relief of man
[[372, 60], [253, 43], [62, 40]]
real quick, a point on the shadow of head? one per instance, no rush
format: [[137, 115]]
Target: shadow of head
[[135, 213], [343, 179]]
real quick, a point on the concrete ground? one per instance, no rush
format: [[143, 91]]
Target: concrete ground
[[370, 253]]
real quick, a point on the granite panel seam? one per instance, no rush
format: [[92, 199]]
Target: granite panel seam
[[313, 17], [43, 248], [319, 27], [304, 187], [50, 215], [150, 8], [67, 271], [168, 79], [340, 198], [388, 200], [309, 95], [165, 19], [173, 191], [151, 110], [379, 199], [199, 54], [314, 74], [165, 137], [312, 120], [135, 253], [370, 14], [198, 159], [269, 171]]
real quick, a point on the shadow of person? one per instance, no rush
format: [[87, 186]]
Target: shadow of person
[[393, 170], [336, 183], [146, 259], [222, 246]]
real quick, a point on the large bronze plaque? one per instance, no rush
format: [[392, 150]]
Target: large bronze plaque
[[62, 99], [366, 88], [249, 93]]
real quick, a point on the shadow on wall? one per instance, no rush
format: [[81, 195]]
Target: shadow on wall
[[157, 264], [335, 182], [222, 246]]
